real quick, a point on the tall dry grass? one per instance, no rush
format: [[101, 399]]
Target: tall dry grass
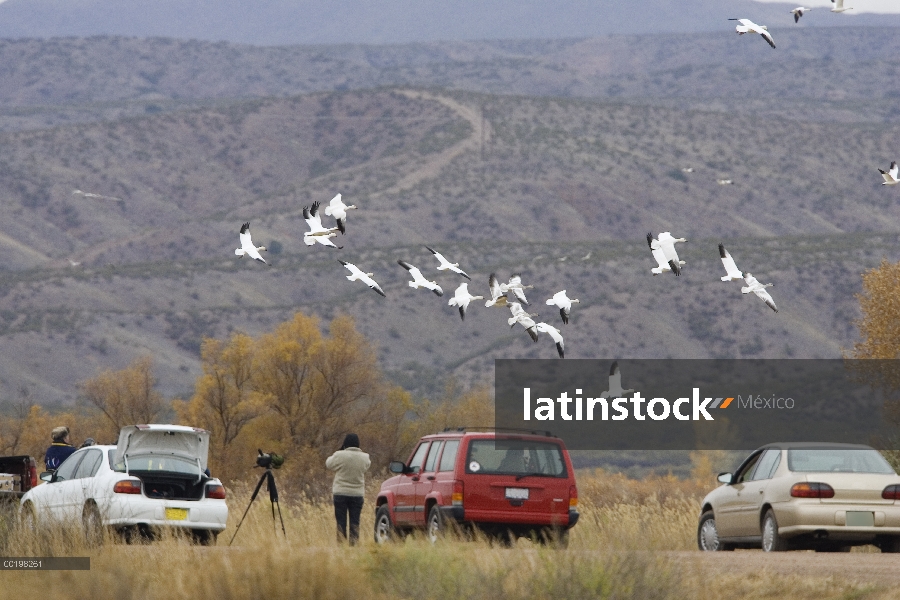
[[614, 554]]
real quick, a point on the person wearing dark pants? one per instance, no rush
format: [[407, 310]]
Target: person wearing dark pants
[[349, 465]]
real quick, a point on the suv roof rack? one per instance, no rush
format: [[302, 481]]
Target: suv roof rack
[[516, 429]]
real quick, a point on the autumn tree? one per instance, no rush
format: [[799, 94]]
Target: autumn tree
[[124, 397], [879, 303], [224, 400]]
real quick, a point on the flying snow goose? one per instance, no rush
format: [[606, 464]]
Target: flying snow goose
[[316, 232], [615, 383], [730, 267], [724, 182], [420, 281], [759, 289], [748, 26], [446, 264], [522, 318], [247, 246], [515, 286], [798, 12], [498, 294], [337, 209], [839, 6], [364, 277], [891, 175], [563, 303], [556, 335], [660, 257], [461, 298], [668, 246]]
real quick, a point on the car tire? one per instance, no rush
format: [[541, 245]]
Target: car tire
[[385, 531], [555, 537], [28, 517], [93, 525], [436, 528], [890, 545], [771, 540], [708, 535]]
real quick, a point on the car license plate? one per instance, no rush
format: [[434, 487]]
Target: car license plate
[[176, 514], [517, 493], [860, 519]]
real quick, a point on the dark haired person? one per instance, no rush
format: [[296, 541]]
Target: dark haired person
[[349, 465], [59, 450]]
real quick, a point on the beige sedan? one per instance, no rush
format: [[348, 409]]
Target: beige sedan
[[826, 497]]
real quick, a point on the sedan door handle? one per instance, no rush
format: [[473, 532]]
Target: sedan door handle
[[430, 478], [760, 491]]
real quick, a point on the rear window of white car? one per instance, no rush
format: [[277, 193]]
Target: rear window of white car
[[837, 460], [515, 457], [168, 464]]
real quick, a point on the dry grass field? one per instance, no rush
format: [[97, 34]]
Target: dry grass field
[[635, 540]]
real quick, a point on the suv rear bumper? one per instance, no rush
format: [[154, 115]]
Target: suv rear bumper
[[457, 514]]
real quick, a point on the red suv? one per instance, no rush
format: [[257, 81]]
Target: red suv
[[506, 484]]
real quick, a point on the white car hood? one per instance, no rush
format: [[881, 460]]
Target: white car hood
[[189, 443]]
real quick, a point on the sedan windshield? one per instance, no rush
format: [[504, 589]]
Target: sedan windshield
[[838, 460]]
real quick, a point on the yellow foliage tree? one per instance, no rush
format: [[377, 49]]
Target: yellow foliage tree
[[879, 303], [125, 397], [224, 400]]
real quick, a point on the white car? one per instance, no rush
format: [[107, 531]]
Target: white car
[[153, 478]]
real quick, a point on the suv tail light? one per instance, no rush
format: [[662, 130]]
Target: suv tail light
[[128, 486], [891, 492], [812, 490], [457, 496], [215, 491], [573, 496]]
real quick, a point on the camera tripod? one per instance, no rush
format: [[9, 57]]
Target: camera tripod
[[268, 477]]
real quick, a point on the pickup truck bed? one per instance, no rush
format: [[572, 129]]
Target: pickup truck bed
[[18, 474]]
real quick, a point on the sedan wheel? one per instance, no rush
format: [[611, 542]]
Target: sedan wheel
[[28, 518], [93, 525], [771, 540], [708, 534]]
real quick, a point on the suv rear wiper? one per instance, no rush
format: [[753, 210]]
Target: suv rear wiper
[[533, 474]]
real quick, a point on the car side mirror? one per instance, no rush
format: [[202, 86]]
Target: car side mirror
[[725, 478], [397, 467], [47, 476]]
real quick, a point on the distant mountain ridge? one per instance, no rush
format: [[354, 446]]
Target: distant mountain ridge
[[280, 22]]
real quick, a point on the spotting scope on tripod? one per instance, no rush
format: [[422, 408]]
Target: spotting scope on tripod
[[268, 461]]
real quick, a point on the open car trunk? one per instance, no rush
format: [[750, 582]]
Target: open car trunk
[[172, 486]]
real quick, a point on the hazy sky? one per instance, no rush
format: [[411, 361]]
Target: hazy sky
[[860, 6]]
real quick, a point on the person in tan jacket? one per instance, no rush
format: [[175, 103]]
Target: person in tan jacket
[[349, 465]]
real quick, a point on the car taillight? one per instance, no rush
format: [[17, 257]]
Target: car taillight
[[457, 496], [812, 490], [128, 486], [215, 491], [573, 496], [891, 492]]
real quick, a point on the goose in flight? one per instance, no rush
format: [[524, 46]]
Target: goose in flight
[[316, 232], [748, 26], [522, 318], [687, 170], [660, 257], [668, 246], [337, 209], [891, 176], [364, 277], [730, 267], [446, 264], [563, 303], [498, 293], [724, 182], [759, 289], [839, 6], [461, 298], [247, 246], [615, 383], [418, 280], [556, 335], [515, 285], [798, 12]]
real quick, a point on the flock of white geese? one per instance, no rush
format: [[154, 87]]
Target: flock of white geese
[[748, 26], [510, 295]]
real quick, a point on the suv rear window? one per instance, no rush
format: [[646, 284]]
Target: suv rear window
[[515, 457]]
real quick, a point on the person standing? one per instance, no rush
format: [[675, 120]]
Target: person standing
[[59, 450], [349, 465]]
